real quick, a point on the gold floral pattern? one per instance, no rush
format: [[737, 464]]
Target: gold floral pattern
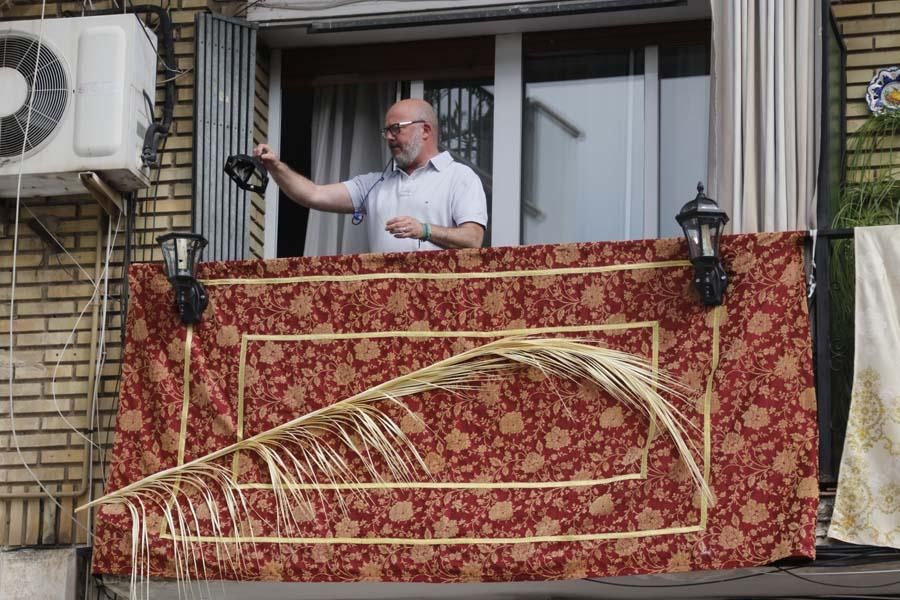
[[867, 503], [529, 477]]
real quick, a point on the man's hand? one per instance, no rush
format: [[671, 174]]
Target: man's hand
[[466, 235], [266, 155], [405, 227]]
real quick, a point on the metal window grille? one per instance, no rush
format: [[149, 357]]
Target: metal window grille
[[225, 82]]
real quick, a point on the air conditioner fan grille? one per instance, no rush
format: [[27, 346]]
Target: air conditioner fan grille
[[47, 93]]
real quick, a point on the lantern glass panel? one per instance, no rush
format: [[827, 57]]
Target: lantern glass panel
[[711, 229], [185, 256], [707, 244], [181, 253], [692, 234], [168, 250]]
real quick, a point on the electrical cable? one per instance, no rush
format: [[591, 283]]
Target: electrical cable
[[820, 597], [838, 585], [104, 278], [95, 284], [773, 570], [857, 551], [143, 29], [142, 242], [15, 252], [244, 8], [149, 102], [131, 201], [305, 7], [181, 73], [58, 243], [153, 208], [310, 5], [106, 429], [675, 585], [100, 363], [875, 572], [158, 130]]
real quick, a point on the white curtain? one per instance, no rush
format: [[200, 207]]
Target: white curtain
[[764, 117], [346, 141]]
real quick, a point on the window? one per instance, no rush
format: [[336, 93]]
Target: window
[[465, 111], [577, 135], [614, 140], [683, 129], [583, 147]]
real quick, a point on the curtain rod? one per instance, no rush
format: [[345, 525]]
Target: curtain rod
[[833, 234]]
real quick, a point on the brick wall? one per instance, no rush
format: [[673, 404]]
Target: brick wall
[[55, 327], [871, 33]]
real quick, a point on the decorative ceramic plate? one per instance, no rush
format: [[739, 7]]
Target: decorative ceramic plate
[[883, 93]]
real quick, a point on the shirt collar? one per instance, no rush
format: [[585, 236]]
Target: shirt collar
[[441, 161]]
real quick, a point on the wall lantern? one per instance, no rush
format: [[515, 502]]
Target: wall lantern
[[702, 221], [181, 253]]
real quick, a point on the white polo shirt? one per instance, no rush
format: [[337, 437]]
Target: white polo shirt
[[443, 192]]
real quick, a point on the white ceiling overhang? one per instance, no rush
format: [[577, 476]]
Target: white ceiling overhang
[[298, 23]]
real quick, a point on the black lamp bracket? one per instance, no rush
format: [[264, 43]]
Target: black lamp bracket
[[711, 280], [190, 299]]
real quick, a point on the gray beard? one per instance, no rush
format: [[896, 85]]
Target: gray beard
[[410, 152]]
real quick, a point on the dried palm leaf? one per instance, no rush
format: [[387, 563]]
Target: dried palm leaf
[[299, 456]]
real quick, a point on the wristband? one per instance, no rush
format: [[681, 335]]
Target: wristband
[[426, 235]]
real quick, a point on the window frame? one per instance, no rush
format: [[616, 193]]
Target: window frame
[[509, 50]]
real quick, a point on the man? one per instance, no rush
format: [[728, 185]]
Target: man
[[426, 202]]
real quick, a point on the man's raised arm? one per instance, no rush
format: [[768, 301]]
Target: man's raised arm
[[333, 197]]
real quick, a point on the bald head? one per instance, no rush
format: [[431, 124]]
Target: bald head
[[415, 144], [412, 109]]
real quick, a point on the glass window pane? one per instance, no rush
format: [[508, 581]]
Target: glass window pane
[[683, 141], [683, 129], [583, 147], [465, 111], [683, 61], [567, 66]]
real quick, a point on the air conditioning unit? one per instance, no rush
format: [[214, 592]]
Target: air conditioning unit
[[86, 109]]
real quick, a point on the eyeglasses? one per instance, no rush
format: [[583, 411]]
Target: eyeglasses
[[394, 128]]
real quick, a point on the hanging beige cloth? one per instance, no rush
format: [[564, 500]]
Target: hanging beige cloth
[[346, 141], [867, 506], [764, 118]]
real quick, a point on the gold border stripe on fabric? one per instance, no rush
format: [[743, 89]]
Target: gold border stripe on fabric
[[707, 409], [707, 403], [451, 334], [186, 395], [451, 485], [407, 275], [582, 537], [240, 412], [501, 485], [185, 406], [651, 434]]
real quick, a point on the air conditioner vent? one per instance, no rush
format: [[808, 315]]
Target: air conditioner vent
[[19, 54]]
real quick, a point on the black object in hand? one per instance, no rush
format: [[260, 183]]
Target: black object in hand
[[247, 172]]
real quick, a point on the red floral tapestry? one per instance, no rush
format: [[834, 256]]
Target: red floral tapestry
[[530, 477]]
